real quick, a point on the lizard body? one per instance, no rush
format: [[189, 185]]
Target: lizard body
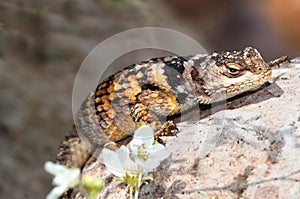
[[151, 91]]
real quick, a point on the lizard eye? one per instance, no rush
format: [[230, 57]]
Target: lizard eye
[[233, 69]]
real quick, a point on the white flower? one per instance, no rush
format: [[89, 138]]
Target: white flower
[[146, 155], [64, 178], [119, 162]]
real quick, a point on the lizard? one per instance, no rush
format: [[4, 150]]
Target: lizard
[[151, 91]]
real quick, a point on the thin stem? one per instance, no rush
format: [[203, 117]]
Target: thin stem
[[131, 191], [137, 186]]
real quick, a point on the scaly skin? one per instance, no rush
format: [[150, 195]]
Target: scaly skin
[[153, 90]]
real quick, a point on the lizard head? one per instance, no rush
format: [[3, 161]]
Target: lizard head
[[241, 71]]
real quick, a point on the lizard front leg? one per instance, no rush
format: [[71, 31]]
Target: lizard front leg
[[153, 107]]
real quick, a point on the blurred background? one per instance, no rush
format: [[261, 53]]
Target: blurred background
[[43, 42]]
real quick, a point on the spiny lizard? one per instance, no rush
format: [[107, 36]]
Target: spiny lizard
[[151, 91]]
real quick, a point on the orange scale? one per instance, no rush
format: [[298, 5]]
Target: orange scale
[[137, 90], [111, 113], [106, 118], [110, 89], [112, 96], [100, 108], [140, 75], [132, 98], [128, 92], [106, 105], [98, 100], [154, 95], [126, 86], [105, 98], [145, 97], [103, 85], [117, 87], [116, 134], [132, 78]]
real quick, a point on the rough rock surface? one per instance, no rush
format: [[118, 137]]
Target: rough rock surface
[[246, 148]]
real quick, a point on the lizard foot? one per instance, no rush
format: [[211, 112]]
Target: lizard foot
[[167, 129]]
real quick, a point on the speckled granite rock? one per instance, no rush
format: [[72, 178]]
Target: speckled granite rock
[[248, 147]]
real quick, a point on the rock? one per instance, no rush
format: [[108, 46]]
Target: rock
[[247, 147]]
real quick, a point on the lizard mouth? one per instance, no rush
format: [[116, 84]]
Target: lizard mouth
[[248, 83], [262, 78]]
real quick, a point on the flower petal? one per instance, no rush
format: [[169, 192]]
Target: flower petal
[[56, 192], [63, 176], [112, 162], [156, 148], [54, 169], [123, 153], [68, 178], [154, 159], [142, 136]]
